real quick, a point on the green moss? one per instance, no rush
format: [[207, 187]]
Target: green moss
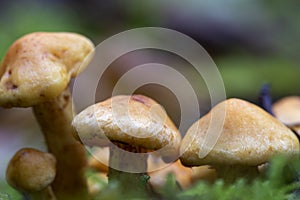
[[278, 183], [8, 193], [281, 182]]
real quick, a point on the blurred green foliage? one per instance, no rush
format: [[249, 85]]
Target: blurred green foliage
[[22, 18], [8, 193], [280, 182], [243, 76], [277, 185]]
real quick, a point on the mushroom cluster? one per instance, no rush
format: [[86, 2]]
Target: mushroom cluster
[[36, 72], [138, 143]]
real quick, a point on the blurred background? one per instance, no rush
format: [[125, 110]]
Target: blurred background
[[251, 41]]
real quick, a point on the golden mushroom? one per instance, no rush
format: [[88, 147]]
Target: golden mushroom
[[287, 110], [203, 173], [181, 173], [131, 126], [36, 72], [98, 159], [250, 137], [31, 172]]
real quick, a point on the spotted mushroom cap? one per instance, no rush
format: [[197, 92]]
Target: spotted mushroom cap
[[250, 136], [39, 66], [31, 170], [287, 110], [137, 120]]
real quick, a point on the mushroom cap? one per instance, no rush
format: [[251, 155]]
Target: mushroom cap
[[39, 66], [136, 120], [287, 110], [31, 170], [250, 136]]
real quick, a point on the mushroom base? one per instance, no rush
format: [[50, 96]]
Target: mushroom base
[[46, 194], [126, 170], [231, 173]]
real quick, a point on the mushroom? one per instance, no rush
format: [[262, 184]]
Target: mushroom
[[287, 110], [98, 159], [204, 173], [36, 72], [250, 137], [131, 126], [31, 172], [181, 173]]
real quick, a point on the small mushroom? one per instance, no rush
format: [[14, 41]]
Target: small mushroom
[[131, 126], [31, 172], [250, 137], [203, 173], [98, 159], [181, 173], [36, 72], [287, 110]]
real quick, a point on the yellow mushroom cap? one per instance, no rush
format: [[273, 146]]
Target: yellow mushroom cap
[[31, 170], [250, 136], [136, 120], [39, 66], [287, 110]]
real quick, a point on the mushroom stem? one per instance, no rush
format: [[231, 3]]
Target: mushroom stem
[[45, 194], [128, 180], [230, 173], [55, 117]]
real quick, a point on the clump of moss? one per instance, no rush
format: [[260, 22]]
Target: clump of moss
[[280, 182]]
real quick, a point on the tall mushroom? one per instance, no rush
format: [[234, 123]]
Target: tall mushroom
[[131, 126], [36, 72], [287, 110], [31, 172], [250, 137]]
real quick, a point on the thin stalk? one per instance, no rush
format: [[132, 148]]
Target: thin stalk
[[129, 181], [54, 118]]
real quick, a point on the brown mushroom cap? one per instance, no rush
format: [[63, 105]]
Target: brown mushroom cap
[[39, 66], [31, 170], [287, 110], [136, 120], [250, 136]]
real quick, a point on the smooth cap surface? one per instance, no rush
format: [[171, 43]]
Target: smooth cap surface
[[39, 66], [250, 136], [287, 110], [31, 170], [136, 120]]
